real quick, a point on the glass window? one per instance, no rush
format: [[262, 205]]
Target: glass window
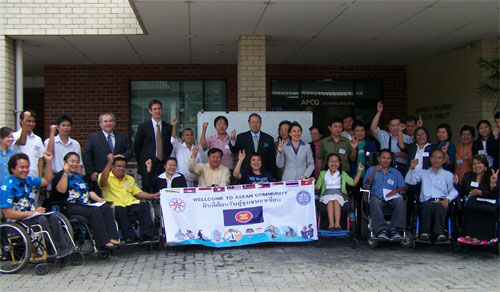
[[327, 88], [180, 98]]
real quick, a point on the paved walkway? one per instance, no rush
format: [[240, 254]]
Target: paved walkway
[[270, 267]]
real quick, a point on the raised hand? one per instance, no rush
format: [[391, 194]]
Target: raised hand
[[354, 143], [402, 127], [66, 168], [110, 157], [281, 146], [196, 148], [455, 179], [53, 129], [242, 155], [205, 125], [361, 167], [233, 134], [174, 121], [495, 133], [47, 155], [420, 122], [445, 147], [493, 178], [380, 107], [149, 164], [414, 163]]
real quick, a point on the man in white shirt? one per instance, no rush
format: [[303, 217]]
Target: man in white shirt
[[27, 142], [61, 144]]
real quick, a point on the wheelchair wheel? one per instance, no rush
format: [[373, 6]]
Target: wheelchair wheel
[[15, 245], [42, 269], [66, 222], [364, 232], [372, 243], [407, 242], [354, 243], [103, 254]]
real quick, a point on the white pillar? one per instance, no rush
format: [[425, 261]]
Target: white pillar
[[19, 80]]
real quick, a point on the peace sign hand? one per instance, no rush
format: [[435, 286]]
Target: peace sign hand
[[195, 149], [281, 146], [242, 155], [420, 122], [354, 143], [493, 178]]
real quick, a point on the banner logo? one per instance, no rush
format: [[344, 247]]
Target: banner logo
[[177, 205], [303, 198], [243, 216]]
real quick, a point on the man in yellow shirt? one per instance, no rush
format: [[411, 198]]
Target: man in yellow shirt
[[121, 189]]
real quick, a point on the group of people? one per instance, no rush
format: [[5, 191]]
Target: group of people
[[400, 158]]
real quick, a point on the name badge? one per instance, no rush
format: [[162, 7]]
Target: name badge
[[390, 181], [226, 147], [82, 186], [367, 153], [32, 195], [474, 184], [341, 151], [481, 152], [127, 185], [460, 161], [425, 154]]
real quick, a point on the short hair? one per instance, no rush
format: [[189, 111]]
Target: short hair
[[63, 118], [285, 122], [385, 150], [410, 118], [66, 157], [497, 115], [32, 113], [348, 116], [215, 150], [262, 166], [5, 131], [392, 118], [317, 127], [425, 131], [254, 115], [334, 120], [185, 130], [153, 102], [357, 124], [437, 150], [483, 122], [338, 157], [171, 158], [468, 128], [14, 158], [294, 124], [101, 116], [447, 127], [119, 158], [221, 118], [482, 159]]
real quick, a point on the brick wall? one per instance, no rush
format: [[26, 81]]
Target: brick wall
[[69, 17], [85, 91], [393, 77]]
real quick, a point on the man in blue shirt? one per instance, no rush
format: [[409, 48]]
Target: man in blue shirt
[[17, 198], [386, 184], [437, 192]]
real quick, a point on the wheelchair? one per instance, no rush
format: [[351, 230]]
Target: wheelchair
[[348, 221], [368, 234], [21, 244], [82, 233], [452, 226], [156, 215]]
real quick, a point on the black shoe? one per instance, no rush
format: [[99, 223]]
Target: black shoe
[[424, 237], [147, 237], [382, 235], [131, 240], [332, 228], [395, 235], [442, 238]]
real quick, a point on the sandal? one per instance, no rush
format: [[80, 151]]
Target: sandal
[[484, 242], [475, 241]]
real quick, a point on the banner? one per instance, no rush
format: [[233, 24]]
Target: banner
[[240, 215]]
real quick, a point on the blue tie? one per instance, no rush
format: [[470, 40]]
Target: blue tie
[[110, 142]]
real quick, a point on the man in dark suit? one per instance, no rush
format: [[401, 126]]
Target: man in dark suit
[[255, 141], [101, 143], [152, 141]]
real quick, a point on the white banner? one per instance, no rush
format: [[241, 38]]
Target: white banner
[[240, 215]]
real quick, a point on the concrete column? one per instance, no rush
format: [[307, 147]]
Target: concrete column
[[7, 82], [252, 73]]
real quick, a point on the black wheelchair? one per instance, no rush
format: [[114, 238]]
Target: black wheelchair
[[348, 221], [21, 244], [368, 234]]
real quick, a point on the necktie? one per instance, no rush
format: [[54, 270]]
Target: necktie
[[110, 142], [255, 142], [159, 143]]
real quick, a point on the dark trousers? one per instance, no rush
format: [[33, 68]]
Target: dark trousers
[[398, 218], [52, 225], [432, 212], [142, 210], [100, 219]]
